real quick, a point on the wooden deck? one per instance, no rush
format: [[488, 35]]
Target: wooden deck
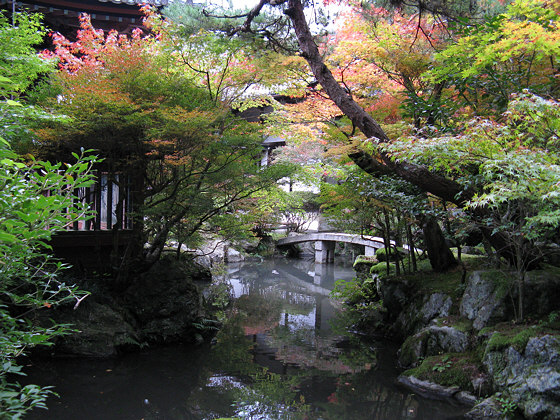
[[88, 250]]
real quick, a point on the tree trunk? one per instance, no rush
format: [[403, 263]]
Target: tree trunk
[[441, 257], [412, 247], [389, 250], [440, 186], [422, 177]]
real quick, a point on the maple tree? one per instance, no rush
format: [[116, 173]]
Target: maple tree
[[513, 166], [188, 157], [491, 61], [367, 153]]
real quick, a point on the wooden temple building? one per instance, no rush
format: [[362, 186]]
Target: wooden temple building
[[62, 15], [98, 243]]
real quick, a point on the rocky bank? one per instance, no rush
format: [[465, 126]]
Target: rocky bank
[[162, 305], [459, 340]]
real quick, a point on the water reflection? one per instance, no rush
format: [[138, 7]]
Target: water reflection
[[277, 357]]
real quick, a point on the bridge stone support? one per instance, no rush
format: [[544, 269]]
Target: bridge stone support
[[324, 251], [323, 273], [370, 251]]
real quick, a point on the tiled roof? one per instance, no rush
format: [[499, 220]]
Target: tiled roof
[[62, 15]]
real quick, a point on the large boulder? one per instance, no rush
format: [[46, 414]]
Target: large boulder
[[100, 330], [164, 302], [489, 295], [484, 300], [430, 341], [421, 312], [530, 376]]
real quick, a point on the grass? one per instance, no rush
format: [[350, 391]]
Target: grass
[[509, 334], [460, 324], [449, 282], [449, 369]]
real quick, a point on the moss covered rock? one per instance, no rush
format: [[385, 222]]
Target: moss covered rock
[[449, 370], [529, 375], [362, 266], [100, 330], [489, 408], [431, 341], [380, 269], [397, 254]]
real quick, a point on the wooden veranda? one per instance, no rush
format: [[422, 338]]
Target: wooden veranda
[[91, 243]]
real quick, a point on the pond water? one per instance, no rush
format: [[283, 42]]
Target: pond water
[[282, 354]]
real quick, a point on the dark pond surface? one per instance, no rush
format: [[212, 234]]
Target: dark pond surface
[[280, 355]]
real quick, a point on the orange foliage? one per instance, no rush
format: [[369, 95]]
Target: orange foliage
[[379, 55]]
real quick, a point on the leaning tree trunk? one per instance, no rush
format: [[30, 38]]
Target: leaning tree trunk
[[449, 190], [418, 175], [441, 257], [428, 181]]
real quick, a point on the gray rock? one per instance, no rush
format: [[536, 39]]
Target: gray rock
[[489, 295], [487, 409], [484, 298], [428, 389], [215, 252], [420, 313], [530, 377], [465, 398], [233, 256], [482, 384], [436, 306], [431, 341]]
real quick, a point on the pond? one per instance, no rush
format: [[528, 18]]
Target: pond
[[283, 353]]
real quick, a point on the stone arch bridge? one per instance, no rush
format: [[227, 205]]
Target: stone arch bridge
[[325, 243]]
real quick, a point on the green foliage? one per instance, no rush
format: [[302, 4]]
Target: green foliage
[[36, 200], [192, 162], [356, 205], [270, 28], [354, 293], [509, 52], [20, 66], [442, 364], [512, 166], [507, 406]]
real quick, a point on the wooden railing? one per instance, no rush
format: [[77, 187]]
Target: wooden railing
[[111, 201]]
